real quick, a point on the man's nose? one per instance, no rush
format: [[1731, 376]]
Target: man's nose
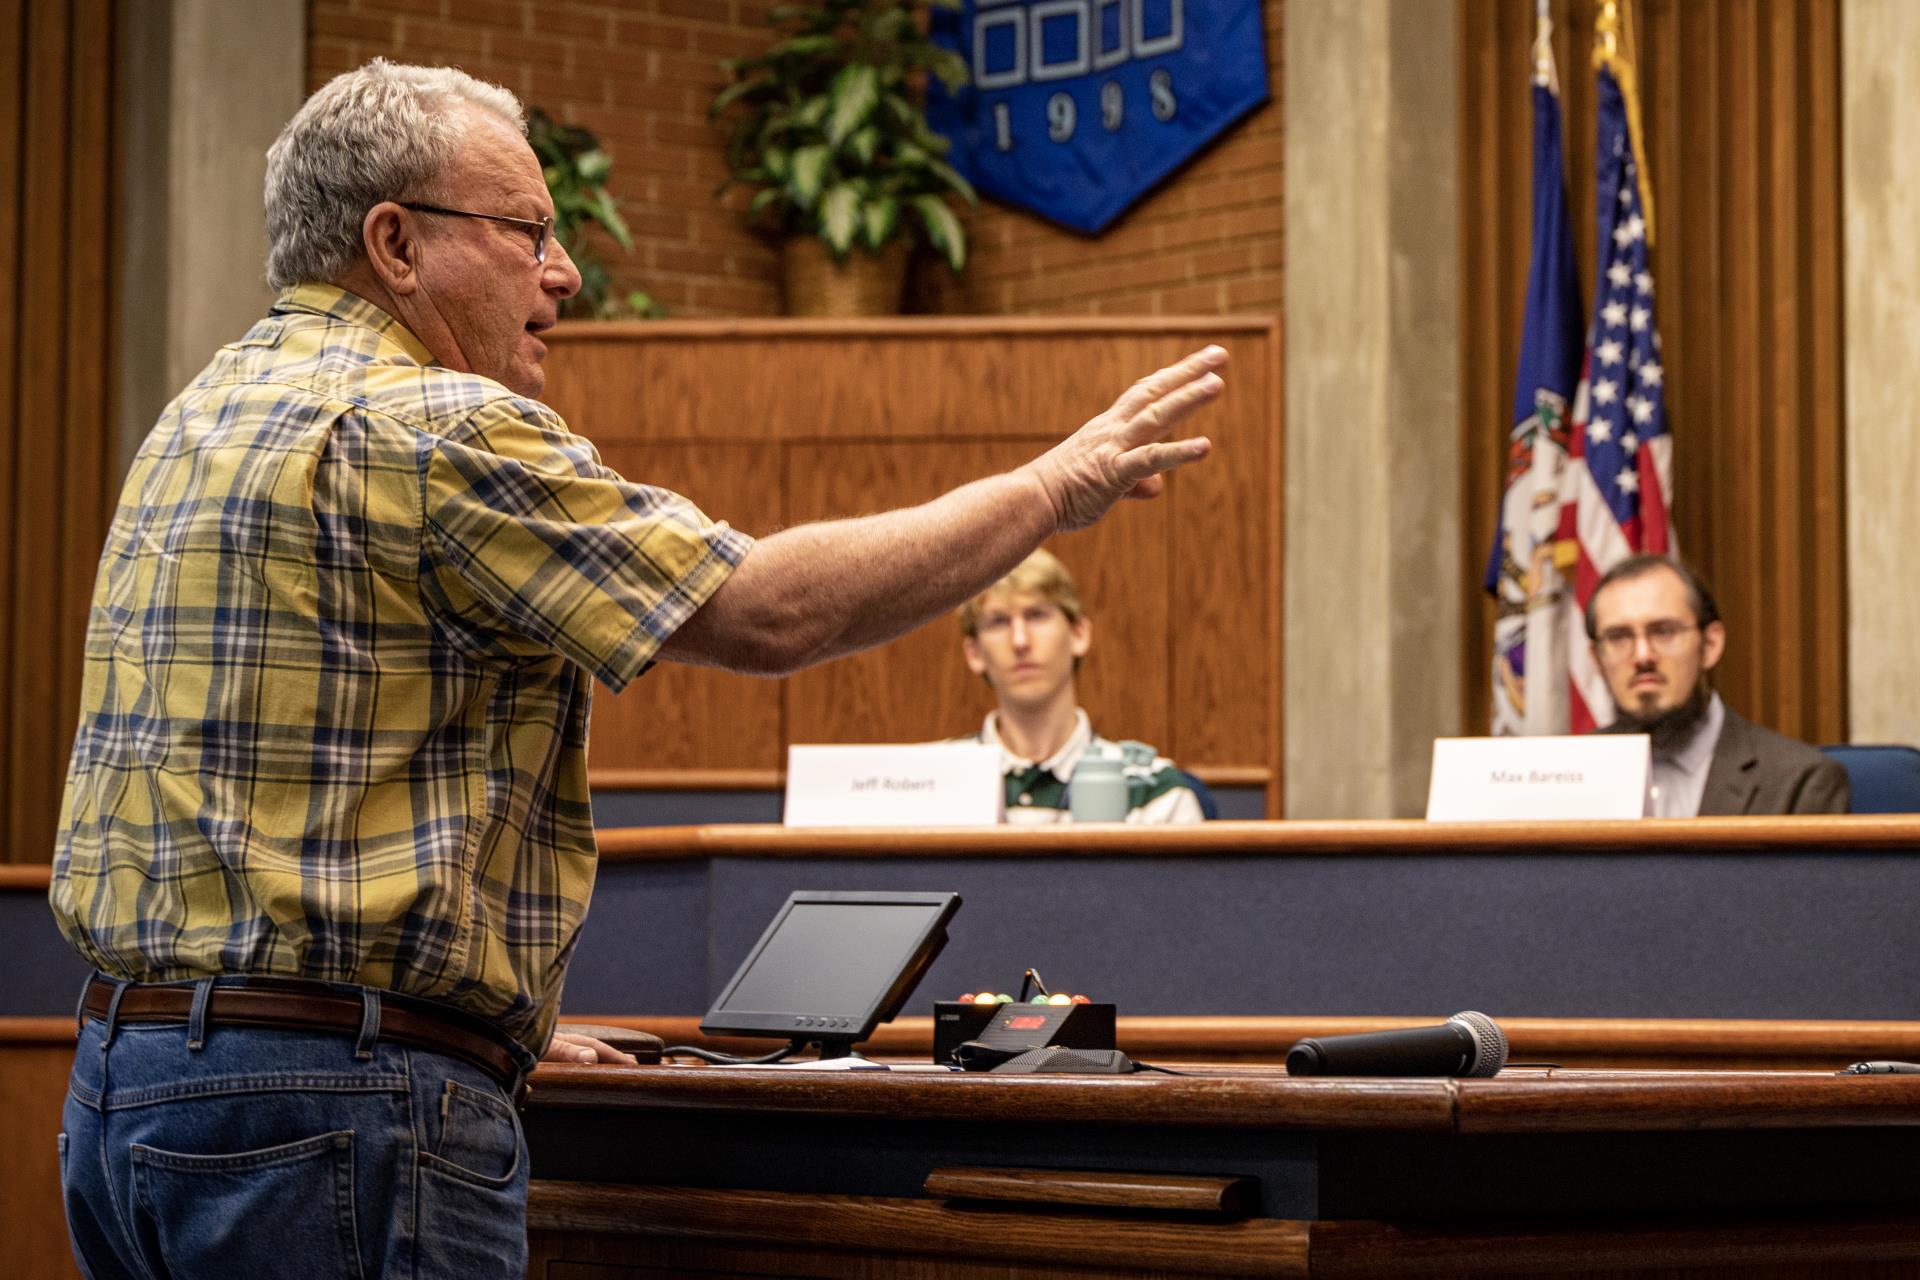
[[1019, 634], [560, 277]]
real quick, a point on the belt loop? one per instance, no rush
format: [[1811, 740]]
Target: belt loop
[[80, 1010], [197, 1016], [369, 1024], [113, 1016]]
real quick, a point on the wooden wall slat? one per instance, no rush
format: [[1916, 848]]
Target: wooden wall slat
[[665, 719], [33, 773], [1826, 440], [88, 417], [57, 316], [1741, 111], [1225, 527], [13, 247]]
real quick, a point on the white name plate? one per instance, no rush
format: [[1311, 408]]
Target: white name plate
[[946, 784], [1515, 779]]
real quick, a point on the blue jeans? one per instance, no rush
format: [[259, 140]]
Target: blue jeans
[[287, 1153]]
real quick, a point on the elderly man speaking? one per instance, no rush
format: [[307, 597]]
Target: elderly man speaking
[[326, 835]]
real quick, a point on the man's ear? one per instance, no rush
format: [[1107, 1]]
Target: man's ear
[[976, 663], [1713, 643], [392, 248], [1080, 636]]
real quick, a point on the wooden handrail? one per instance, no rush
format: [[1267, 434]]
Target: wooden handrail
[[1863, 833]]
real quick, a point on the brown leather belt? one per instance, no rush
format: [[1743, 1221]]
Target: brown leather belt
[[289, 1004]]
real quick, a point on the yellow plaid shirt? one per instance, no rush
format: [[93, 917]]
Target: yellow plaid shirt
[[338, 671]]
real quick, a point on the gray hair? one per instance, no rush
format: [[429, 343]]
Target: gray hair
[[385, 131]]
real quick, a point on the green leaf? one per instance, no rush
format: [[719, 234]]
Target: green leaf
[[944, 231], [779, 162], [878, 218], [804, 46], [840, 216], [593, 166], [951, 176], [763, 199], [609, 217], [811, 112], [889, 24], [856, 91], [904, 112], [733, 92], [809, 175], [862, 144]]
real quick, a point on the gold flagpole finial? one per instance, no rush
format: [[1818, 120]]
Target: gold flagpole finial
[[1544, 71], [1606, 33]]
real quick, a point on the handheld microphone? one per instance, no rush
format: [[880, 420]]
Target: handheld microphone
[[1467, 1044]]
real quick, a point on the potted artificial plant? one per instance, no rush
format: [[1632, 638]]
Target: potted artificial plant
[[829, 130]]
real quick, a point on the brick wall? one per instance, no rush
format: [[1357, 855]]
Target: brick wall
[[640, 74]]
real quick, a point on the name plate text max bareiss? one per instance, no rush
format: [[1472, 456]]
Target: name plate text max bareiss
[[1534, 779]]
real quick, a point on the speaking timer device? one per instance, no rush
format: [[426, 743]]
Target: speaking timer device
[[832, 966], [979, 1032]]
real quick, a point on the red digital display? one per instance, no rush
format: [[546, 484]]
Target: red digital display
[[1026, 1022]]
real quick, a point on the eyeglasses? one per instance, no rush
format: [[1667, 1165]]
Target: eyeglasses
[[1662, 637], [541, 231]]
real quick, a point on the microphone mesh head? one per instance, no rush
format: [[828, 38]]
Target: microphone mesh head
[[1489, 1043]]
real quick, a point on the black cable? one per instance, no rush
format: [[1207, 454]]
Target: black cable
[[733, 1059]]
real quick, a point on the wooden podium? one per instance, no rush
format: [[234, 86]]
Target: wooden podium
[[1228, 1171]]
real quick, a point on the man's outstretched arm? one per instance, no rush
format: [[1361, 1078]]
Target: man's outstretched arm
[[821, 591]]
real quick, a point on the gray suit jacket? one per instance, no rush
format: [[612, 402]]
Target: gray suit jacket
[[1756, 770]]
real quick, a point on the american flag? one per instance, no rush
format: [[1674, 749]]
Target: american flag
[[1619, 479]]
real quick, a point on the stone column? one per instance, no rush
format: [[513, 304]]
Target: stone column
[[208, 85], [1374, 586], [1880, 81]]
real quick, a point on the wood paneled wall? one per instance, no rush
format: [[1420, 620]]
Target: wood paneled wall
[[773, 423], [56, 426], [1741, 103], [35, 1056]]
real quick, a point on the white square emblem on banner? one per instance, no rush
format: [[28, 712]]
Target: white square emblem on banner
[[1539, 779], [944, 784]]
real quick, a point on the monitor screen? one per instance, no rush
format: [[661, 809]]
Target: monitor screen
[[834, 965]]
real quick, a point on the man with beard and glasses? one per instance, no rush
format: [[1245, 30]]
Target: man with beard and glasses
[[1656, 633]]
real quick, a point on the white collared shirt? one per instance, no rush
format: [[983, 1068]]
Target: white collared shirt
[[1680, 777]]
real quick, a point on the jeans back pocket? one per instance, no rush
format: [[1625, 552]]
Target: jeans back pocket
[[246, 1213]]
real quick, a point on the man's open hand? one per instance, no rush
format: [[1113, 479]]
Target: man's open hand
[[571, 1046], [1124, 452]]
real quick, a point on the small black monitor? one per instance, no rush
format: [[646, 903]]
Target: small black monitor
[[833, 966]]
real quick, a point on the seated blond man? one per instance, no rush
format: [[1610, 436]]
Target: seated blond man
[[1026, 636]]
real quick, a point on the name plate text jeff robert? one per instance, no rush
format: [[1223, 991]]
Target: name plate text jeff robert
[[945, 784]]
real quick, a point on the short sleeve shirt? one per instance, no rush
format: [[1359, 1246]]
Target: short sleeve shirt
[[339, 666]]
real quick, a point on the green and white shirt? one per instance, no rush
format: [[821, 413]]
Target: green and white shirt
[[1037, 789]]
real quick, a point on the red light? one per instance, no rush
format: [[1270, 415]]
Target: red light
[[1026, 1022]]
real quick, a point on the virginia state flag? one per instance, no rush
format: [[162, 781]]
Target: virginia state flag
[[1530, 658]]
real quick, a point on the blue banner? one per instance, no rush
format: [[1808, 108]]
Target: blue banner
[[1077, 108]]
